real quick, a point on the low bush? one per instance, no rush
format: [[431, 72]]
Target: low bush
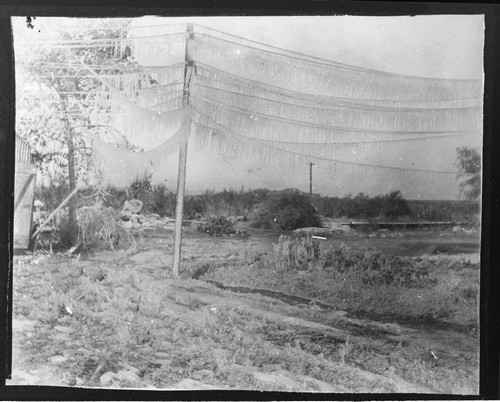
[[100, 228], [295, 253], [374, 268], [285, 211], [220, 226], [217, 226], [116, 197], [63, 230], [365, 266]]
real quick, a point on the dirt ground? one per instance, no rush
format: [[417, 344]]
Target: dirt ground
[[119, 319]]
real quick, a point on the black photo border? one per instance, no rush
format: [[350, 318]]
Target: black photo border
[[490, 249]]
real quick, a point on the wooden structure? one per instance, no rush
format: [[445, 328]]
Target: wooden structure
[[24, 194], [405, 225]]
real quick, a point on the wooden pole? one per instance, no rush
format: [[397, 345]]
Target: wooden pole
[[311, 178], [181, 177], [179, 207]]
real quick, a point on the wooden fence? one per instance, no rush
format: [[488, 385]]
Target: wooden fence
[[24, 193]]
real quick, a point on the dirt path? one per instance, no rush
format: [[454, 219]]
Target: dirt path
[[119, 320]]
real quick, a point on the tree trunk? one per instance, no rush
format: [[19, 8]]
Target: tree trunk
[[72, 183], [72, 219]]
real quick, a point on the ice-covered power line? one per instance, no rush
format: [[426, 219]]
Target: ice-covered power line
[[98, 42], [360, 142], [340, 106], [206, 71], [244, 102], [380, 128], [231, 134]]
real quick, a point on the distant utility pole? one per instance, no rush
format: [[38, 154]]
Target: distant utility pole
[[311, 178]]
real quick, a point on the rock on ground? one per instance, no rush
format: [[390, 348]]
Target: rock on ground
[[132, 206]]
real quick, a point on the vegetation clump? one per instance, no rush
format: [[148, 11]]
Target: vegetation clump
[[220, 226], [295, 253], [285, 211], [366, 266], [100, 228], [388, 206], [217, 226]]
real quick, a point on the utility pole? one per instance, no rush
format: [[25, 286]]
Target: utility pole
[[181, 178], [311, 178]]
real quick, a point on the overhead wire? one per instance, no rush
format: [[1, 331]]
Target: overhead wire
[[314, 98], [339, 107], [308, 98], [299, 154], [335, 65], [387, 141], [98, 42], [317, 59], [253, 114]]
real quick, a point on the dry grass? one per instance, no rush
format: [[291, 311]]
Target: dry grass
[[101, 228], [359, 281]]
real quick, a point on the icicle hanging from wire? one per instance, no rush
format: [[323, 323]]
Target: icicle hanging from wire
[[159, 51], [120, 167], [402, 119], [279, 129], [334, 149], [229, 142], [318, 79], [141, 126], [133, 83], [217, 78]]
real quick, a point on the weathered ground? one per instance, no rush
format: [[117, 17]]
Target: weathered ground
[[118, 319]]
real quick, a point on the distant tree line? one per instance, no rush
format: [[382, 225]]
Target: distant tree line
[[284, 208]]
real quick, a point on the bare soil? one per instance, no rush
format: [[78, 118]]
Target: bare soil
[[118, 319]]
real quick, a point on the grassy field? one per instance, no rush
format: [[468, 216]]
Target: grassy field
[[300, 320]]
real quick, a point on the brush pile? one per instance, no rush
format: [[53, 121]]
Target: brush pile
[[101, 228]]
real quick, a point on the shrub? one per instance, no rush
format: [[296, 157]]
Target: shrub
[[52, 195], [140, 188], [219, 226], [162, 201], [295, 253], [394, 205], [193, 207], [100, 228], [374, 268], [285, 211], [391, 205], [63, 230], [155, 198]]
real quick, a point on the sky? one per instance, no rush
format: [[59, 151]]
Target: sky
[[444, 46], [441, 46]]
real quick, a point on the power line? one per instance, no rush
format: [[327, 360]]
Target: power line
[[316, 98], [342, 107], [253, 114], [433, 137], [99, 42], [324, 61], [300, 57], [244, 138], [348, 143]]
